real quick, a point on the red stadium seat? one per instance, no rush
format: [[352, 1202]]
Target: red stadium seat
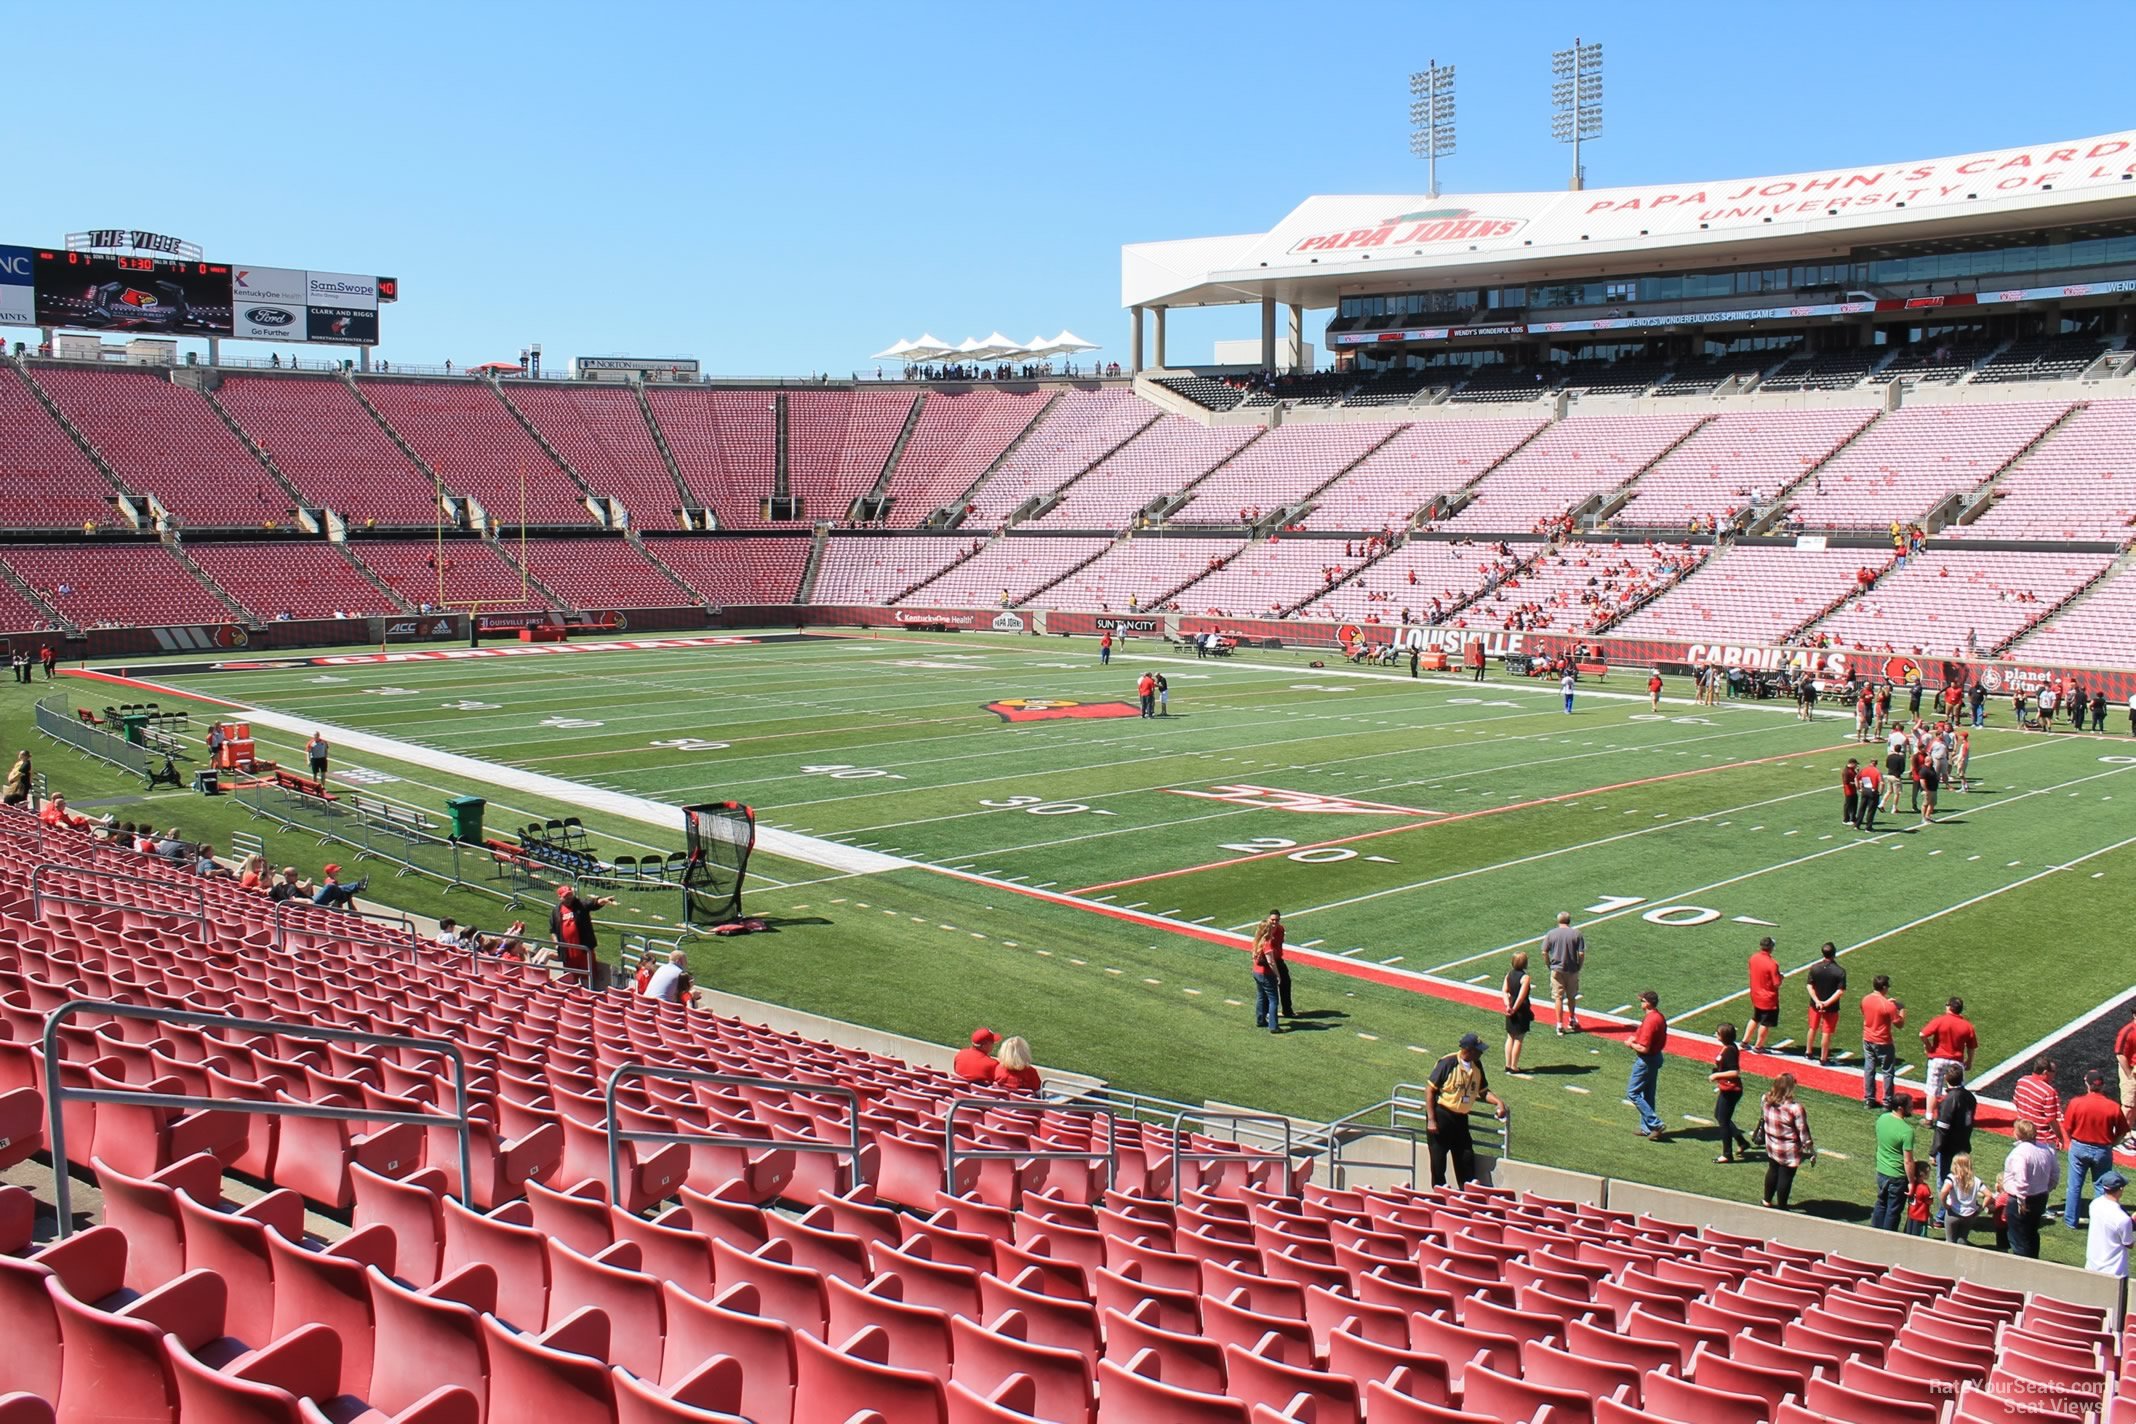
[[558, 1377], [832, 1382], [1135, 1394]]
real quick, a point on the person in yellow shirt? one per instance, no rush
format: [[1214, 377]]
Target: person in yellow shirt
[[1457, 1085]]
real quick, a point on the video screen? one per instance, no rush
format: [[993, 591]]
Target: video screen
[[99, 291]]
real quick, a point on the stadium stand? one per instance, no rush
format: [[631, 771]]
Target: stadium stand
[[1505, 383], [1753, 595], [19, 615], [1162, 460], [1703, 377], [1145, 570], [2078, 483], [1279, 470], [958, 437], [725, 445], [164, 440], [1623, 376], [1207, 392], [861, 569], [1018, 567], [46, 482], [601, 431], [1938, 360], [1080, 429], [1398, 385], [1941, 602], [2041, 358], [1913, 459], [1737, 460], [114, 585], [2098, 630], [837, 442], [303, 579], [743, 571], [1423, 461], [599, 573], [1823, 370], [1579, 588], [1270, 578], [1450, 571], [463, 431], [320, 436], [474, 572], [1574, 460]]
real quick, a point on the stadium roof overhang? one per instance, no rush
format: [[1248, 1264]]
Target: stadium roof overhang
[[1329, 247]]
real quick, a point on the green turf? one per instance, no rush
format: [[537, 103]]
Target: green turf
[[1722, 817]]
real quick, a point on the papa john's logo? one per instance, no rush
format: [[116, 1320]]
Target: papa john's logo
[[1055, 709], [1411, 229]]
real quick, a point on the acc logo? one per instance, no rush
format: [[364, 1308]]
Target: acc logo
[[269, 316], [1408, 229], [1902, 670], [1043, 709]]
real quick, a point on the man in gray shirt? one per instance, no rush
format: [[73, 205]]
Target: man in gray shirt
[[1566, 949]]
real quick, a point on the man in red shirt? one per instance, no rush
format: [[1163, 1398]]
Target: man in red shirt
[[1764, 994], [2095, 1125], [1654, 692], [1105, 648], [1869, 786], [2125, 1062], [1648, 1041], [55, 813], [1880, 1015], [2039, 1101], [1949, 1038], [1146, 689], [1850, 781], [975, 1064]]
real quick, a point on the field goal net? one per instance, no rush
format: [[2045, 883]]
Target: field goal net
[[720, 837]]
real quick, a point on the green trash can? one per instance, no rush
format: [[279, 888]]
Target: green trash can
[[134, 726], [465, 813]]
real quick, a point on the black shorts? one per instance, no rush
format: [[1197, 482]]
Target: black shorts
[[1768, 1017]]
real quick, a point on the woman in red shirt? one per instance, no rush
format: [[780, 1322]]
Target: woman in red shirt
[[1012, 1066]]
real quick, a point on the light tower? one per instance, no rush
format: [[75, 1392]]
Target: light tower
[[1576, 100], [1431, 117]]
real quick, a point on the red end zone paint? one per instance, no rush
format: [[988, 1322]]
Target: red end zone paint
[[1053, 709]]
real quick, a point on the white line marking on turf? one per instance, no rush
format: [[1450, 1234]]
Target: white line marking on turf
[[2034, 1049]]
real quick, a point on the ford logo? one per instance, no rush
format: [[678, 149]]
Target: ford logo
[[269, 316]]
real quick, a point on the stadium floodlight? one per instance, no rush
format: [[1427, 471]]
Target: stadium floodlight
[[1431, 117], [1576, 99]]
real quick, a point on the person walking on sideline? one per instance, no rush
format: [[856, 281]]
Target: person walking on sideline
[[315, 752], [2106, 1248], [1265, 993], [1870, 787], [1146, 690], [1270, 933], [1164, 696], [2095, 1124], [1881, 1014], [1850, 786], [1949, 1038], [2029, 1175], [1654, 692], [1457, 1085], [1472, 654], [1764, 994], [1105, 648], [1727, 1080], [1520, 1010], [1828, 985], [1565, 950], [1788, 1144], [2124, 1065], [1566, 685], [1894, 1163], [1648, 1041]]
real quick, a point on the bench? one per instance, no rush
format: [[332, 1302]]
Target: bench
[[302, 786], [394, 818], [1597, 671]]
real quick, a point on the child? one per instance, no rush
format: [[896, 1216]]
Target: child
[[1918, 1198]]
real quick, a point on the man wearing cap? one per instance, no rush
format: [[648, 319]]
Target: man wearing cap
[[2094, 1123], [2106, 1249], [1648, 1042], [975, 1064], [1457, 1085], [332, 893], [571, 926]]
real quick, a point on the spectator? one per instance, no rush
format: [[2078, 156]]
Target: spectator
[[289, 887], [1894, 1163], [1951, 1134], [1788, 1144], [205, 863], [252, 873], [1648, 1041], [647, 963], [1565, 950], [1920, 1197], [20, 777], [2125, 1066], [1267, 994], [1727, 1080], [671, 983], [1828, 985], [315, 753], [1457, 1085], [1881, 1014], [1520, 1010], [1013, 1067], [571, 926], [2095, 1124], [974, 1063], [2036, 1098], [448, 935], [1964, 1202], [332, 894], [173, 846], [1949, 1039], [1764, 994], [2029, 1176], [1271, 930], [56, 814], [2106, 1249]]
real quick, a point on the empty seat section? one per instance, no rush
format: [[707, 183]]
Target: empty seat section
[[837, 442], [1164, 459], [303, 580], [1448, 573], [2097, 630], [601, 573], [320, 436], [165, 439], [1942, 602], [860, 569], [738, 571], [1279, 470], [1269, 579], [1146, 570], [473, 571], [46, 482], [1912, 459], [2079, 483], [600, 431], [1018, 567], [1751, 595], [1575, 459], [1079, 430], [1736, 459], [115, 585], [725, 444], [1427, 459], [1579, 587], [958, 437], [479, 449]]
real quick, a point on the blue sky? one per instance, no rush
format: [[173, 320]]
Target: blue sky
[[781, 189]]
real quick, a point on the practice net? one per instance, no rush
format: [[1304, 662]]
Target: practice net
[[721, 835]]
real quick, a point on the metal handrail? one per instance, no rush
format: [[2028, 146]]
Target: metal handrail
[[1242, 1155], [38, 894], [1110, 1156], [1341, 1128], [1414, 1099], [618, 1136], [58, 1094], [346, 912]]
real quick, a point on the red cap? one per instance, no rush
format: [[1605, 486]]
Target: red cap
[[981, 1037], [563, 892], [332, 870]]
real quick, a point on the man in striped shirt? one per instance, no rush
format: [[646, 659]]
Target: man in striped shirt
[[2039, 1102]]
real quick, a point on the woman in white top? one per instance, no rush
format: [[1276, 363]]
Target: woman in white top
[[1968, 1203]]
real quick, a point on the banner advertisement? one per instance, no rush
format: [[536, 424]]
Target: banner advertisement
[[341, 289], [341, 326], [18, 287]]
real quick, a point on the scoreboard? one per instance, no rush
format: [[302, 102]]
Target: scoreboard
[[102, 291]]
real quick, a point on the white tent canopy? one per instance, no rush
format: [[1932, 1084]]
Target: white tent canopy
[[1069, 343], [996, 347], [896, 351]]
